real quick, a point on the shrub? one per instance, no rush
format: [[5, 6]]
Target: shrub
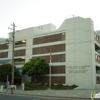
[[27, 84], [52, 84], [74, 86], [47, 84], [59, 86], [28, 88], [43, 84]]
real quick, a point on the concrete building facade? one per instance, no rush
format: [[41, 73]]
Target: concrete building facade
[[75, 48]]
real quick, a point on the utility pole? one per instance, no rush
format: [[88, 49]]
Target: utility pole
[[13, 45]]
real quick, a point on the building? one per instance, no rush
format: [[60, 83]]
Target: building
[[75, 48]]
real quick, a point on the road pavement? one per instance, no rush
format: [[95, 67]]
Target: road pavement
[[14, 97], [65, 94]]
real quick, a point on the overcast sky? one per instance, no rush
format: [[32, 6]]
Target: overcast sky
[[30, 13]]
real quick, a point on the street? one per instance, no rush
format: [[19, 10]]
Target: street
[[17, 97], [14, 97]]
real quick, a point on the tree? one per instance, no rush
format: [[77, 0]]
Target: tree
[[35, 67], [6, 69]]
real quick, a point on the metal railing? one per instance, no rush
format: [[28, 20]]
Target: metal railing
[[19, 63], [20, 45]]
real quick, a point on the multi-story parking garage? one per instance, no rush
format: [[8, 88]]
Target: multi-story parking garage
[[75, 48]]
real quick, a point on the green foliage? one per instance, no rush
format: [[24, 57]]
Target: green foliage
[[47, 84], [74, 86], [27, 84], [42, 83], [43, 86], [52, 84], [28, 88], [6, 69], [59, 86], [16, 73], [35, 67]]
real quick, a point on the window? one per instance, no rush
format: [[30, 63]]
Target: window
[[96, 56], [95, 35], [3, 54], [62, 57], [19, 61], [3, 46], [20, 43], [98, 80], [47, 39], [63, 36], [20, 52]]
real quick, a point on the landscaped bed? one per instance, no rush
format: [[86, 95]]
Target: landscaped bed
[[43, 86]]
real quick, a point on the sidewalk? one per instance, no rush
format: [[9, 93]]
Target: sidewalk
[[85, 94]]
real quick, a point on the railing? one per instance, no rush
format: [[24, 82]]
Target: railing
[[20, 45], [19, 63]]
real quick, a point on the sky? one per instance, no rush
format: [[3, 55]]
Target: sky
[[31, 13]]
